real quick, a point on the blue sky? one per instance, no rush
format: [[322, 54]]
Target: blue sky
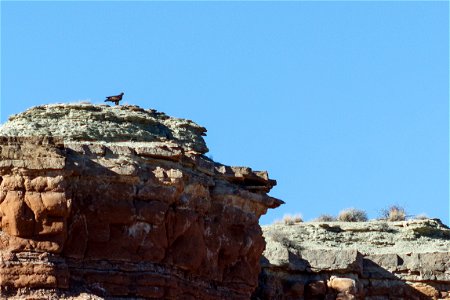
[[344, 103]]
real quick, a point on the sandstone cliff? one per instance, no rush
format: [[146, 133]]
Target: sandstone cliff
[[374, 260], [121, 201]]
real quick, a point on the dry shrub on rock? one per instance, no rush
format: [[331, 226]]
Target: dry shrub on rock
[[421, 217], [325, 218], [291, 220], [352, 215], [394, 213]]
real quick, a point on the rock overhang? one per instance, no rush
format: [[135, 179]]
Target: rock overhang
[[129, 131]]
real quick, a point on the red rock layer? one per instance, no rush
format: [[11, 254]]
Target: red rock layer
[[146, 220]]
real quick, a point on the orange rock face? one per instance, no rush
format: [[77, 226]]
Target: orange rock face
[[150, 221]]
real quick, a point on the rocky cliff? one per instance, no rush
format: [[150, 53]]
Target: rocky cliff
[[121, 202], [375, 260]]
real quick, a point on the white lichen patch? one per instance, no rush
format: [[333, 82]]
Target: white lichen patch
[[104, 123]]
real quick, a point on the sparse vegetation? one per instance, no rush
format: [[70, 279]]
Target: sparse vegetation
[[291, 220], [421, 217], [325, 218], [352, 215], [298, 218], [393, 213]]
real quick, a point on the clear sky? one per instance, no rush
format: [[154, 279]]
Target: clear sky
[[344, 103]]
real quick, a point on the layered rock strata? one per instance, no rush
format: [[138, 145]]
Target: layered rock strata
[[121, 202], [375, 260]]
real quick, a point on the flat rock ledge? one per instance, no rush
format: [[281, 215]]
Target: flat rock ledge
[[374, 260], [120, 202]]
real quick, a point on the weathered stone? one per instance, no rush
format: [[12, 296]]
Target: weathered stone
[[370, 260], [336, 260], [342, 285], [122, 203], [17, 217], [426, 289]]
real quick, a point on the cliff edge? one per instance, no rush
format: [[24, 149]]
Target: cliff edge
[[121, 202]]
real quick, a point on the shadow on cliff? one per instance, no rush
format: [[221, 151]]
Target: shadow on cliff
[[385, 283], [83, 164], [296, 280], [86, 220]]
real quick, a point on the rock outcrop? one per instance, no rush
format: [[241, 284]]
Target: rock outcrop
[[375, 260], [121, 201]]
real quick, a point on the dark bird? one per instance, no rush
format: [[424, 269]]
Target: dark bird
[[116, 99]]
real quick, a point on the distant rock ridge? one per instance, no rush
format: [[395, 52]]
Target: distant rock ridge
[[99, 201], [376, 260]]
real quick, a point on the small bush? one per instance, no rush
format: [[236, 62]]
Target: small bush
[[384, 227], [291, 220], [325, 218], [394, 213], [352, 215], [298, 218], [421, 217]]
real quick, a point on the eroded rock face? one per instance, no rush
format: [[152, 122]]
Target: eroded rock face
[[121, 201], [369, 260]]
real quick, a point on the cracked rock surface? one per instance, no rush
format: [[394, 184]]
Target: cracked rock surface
[[376, 260], [99, 201], [106, 124]]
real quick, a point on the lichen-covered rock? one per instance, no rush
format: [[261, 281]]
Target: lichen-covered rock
[[367, 260], [121, 201], [103, 123]]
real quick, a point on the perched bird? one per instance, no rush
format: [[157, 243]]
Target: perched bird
[[116, 99]]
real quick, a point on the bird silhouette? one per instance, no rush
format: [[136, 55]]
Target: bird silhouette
[[116, 99]]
